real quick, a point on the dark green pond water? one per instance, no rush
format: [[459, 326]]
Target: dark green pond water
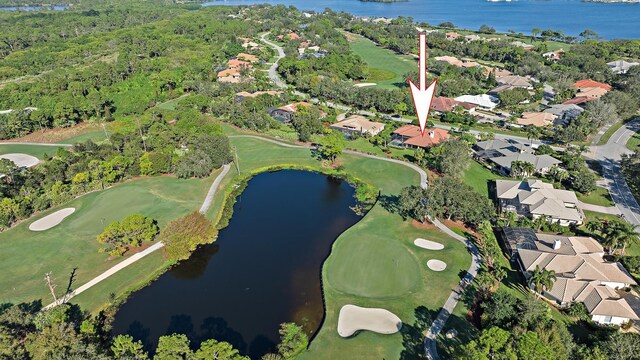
[[263, 270]]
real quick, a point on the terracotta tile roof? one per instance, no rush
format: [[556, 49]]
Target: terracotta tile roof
[[540, 119], [247, 57], [294, 107], [442, 103], [588, 83], [432, 136]]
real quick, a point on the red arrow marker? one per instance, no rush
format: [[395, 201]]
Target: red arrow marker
[[423, 95]]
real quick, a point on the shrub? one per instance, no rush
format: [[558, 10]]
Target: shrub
[[182, 236], [132, 230]]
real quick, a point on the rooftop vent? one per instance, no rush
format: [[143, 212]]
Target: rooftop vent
[[556, 244]]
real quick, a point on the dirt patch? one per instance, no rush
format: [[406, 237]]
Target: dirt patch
[[424, 226], [48, 136], [459, 225]]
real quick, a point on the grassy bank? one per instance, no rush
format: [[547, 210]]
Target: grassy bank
[[386, 68], [25, 256]]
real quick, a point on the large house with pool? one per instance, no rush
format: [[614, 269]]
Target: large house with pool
[[582, 273]]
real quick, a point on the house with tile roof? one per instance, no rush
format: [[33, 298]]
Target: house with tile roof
[[410, 136], [502, 153], [285, 113], [538, 119], [358, 124], [582, 273], [564, 113], [535, 198], [588, 83]]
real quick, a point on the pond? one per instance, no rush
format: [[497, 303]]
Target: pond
[[263, 270]]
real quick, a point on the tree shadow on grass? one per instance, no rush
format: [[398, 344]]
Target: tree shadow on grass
[[391, 203], [413, 335], [449, 348]]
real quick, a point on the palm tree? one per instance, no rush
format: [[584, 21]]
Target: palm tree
[[621, 233], [542, 279], [540, 221]]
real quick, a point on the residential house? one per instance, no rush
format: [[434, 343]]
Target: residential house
[[588, 90], [358, 124], [229, 76], [451, 35], [285, 113], [564, 113], [538, 119], [247, 57], [534, 198], [410, 136], [588, 83], [472, 37], [502, 153], [582, 273], [441, 104], [483, 101], [510, 82], [554, 55], [621, 66], [241, 96]]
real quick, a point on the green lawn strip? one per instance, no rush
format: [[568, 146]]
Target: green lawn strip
[[600, 196], [363, 145], [479, 177], [25, 256], [119, 285], [634, 142], [610, 131], [386, 67], [39, 151], [96, 136]]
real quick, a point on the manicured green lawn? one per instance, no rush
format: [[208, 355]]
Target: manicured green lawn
[[374, 263], [25, 256], [96, 136], [598, 197], [39, 151], [634, 142], [479, 177], [610, 131], [386, 68]]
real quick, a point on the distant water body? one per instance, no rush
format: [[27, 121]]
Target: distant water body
[[33, 8], [609, 20]]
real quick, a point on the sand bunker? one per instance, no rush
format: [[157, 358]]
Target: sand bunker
[[21, 160], [436, 265], [428, 244], [354, 318], [51, 220], [364, 84]]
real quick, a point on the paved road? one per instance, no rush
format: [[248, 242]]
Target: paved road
[[273, 70], [609, 156], [135, 257], [456, 294]]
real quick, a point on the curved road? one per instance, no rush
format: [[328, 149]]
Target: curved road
[[609, 156], [456, 294], [135, 257]]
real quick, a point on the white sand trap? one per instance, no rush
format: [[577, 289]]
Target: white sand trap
[[354, 318], [364, 84], [428, 244], [51, 220], [21, 160], [436, 265]]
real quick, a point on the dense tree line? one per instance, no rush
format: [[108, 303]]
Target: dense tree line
[[27, 332], [89, 166]]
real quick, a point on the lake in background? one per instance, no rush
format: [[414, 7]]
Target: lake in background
[[609, 20], [33, 8], [264, 269]]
